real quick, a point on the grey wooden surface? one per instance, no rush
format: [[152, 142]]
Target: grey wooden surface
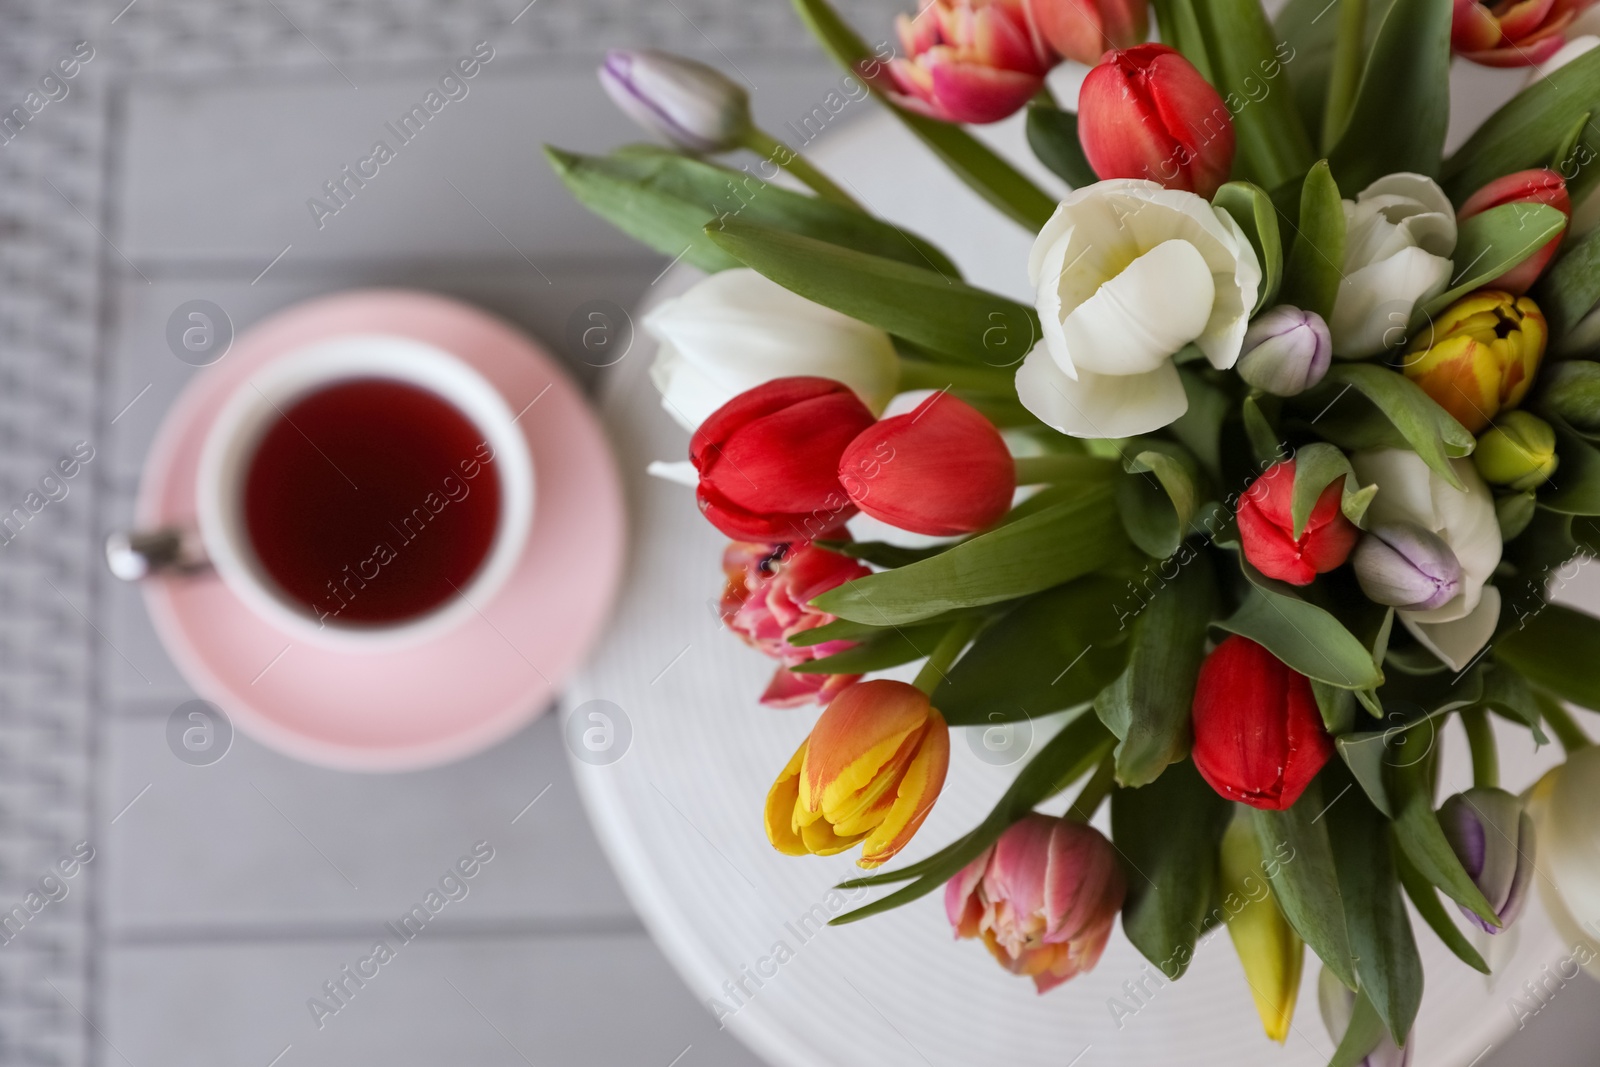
[[221, 898]]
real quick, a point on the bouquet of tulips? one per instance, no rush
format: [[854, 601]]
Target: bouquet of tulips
[[1275, 477]]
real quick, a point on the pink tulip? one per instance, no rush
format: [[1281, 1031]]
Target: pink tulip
[[1511, 33], [1043, 898], [969, 60], [766, 601], [1084, 29], [1539, 186]]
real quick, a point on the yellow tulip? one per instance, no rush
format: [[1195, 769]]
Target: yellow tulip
[[1271, 952], [870, 771], [1479, 357]]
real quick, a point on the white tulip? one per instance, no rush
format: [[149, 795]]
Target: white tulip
[[1399, 235], [1563, 804], [1127, 274], [736, 330], [1411, 491]]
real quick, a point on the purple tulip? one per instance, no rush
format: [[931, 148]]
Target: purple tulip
[[1492, 836], [1405, 566], [1338, 1005], [1286, 351], [690, 104]]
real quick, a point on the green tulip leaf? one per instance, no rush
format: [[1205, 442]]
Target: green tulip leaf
[[880, 553], [1065, 758], [1180, 27], [1571, 392], [1306, 638], [928, 308], [1414, 418], [1316, 259], [1149, 705], [1053, 136], [1304, 881], [1169, 832], [1062, 542], [1491, 243], [1251, 207], [1513, 512], [1387, 965], [1525, 132], [1556, 649], [879, 652], [1508, 694], [1159, 495], [979, 166], [1570, 289], [1050, 652], [1426, 900], [1417, 831], [666, 201], [1402, 107], [1577, 486], [1360, 1037], [1317, 466], [1266, 444], [1247, 67]]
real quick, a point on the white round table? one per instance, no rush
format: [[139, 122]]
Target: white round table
[[678, 807]]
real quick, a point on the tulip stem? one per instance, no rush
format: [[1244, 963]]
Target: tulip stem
[[1349, 51], [1058, 467], [1568, 733], [1094, 791], [925, 374], [945, 652], [1485, 756], [764, 144]]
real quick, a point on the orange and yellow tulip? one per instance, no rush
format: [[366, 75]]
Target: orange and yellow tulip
[[1480, 356], [868, 774]]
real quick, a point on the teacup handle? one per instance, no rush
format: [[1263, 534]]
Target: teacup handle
[[138, 554]]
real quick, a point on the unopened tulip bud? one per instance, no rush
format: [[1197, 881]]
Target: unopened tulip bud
[[690, 104], [1493, 837], [1084, 29], [1479, 357], [868, 774], [941, 469], [1541, 186], [1402, 565], [1286, 351], [1266, 528], [1258, 737], [1146, 112], [1043, 898], [1518, 451], [1271, 952], [768, 460], [1338, 1006]]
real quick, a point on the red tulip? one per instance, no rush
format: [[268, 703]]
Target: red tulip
[[1043, 898], [767, 600], [1541, 186], [1258, 737], [769, 459], [1511, 33], [969, 60], [1145, 112], [1267, 533], [1084, 29], [941, 469]]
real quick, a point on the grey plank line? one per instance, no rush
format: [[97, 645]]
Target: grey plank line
[[446, 930], [180, 269]]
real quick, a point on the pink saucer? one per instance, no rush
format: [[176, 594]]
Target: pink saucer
[[453, 695]]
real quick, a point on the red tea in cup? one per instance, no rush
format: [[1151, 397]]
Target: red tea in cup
[[371, 501]]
